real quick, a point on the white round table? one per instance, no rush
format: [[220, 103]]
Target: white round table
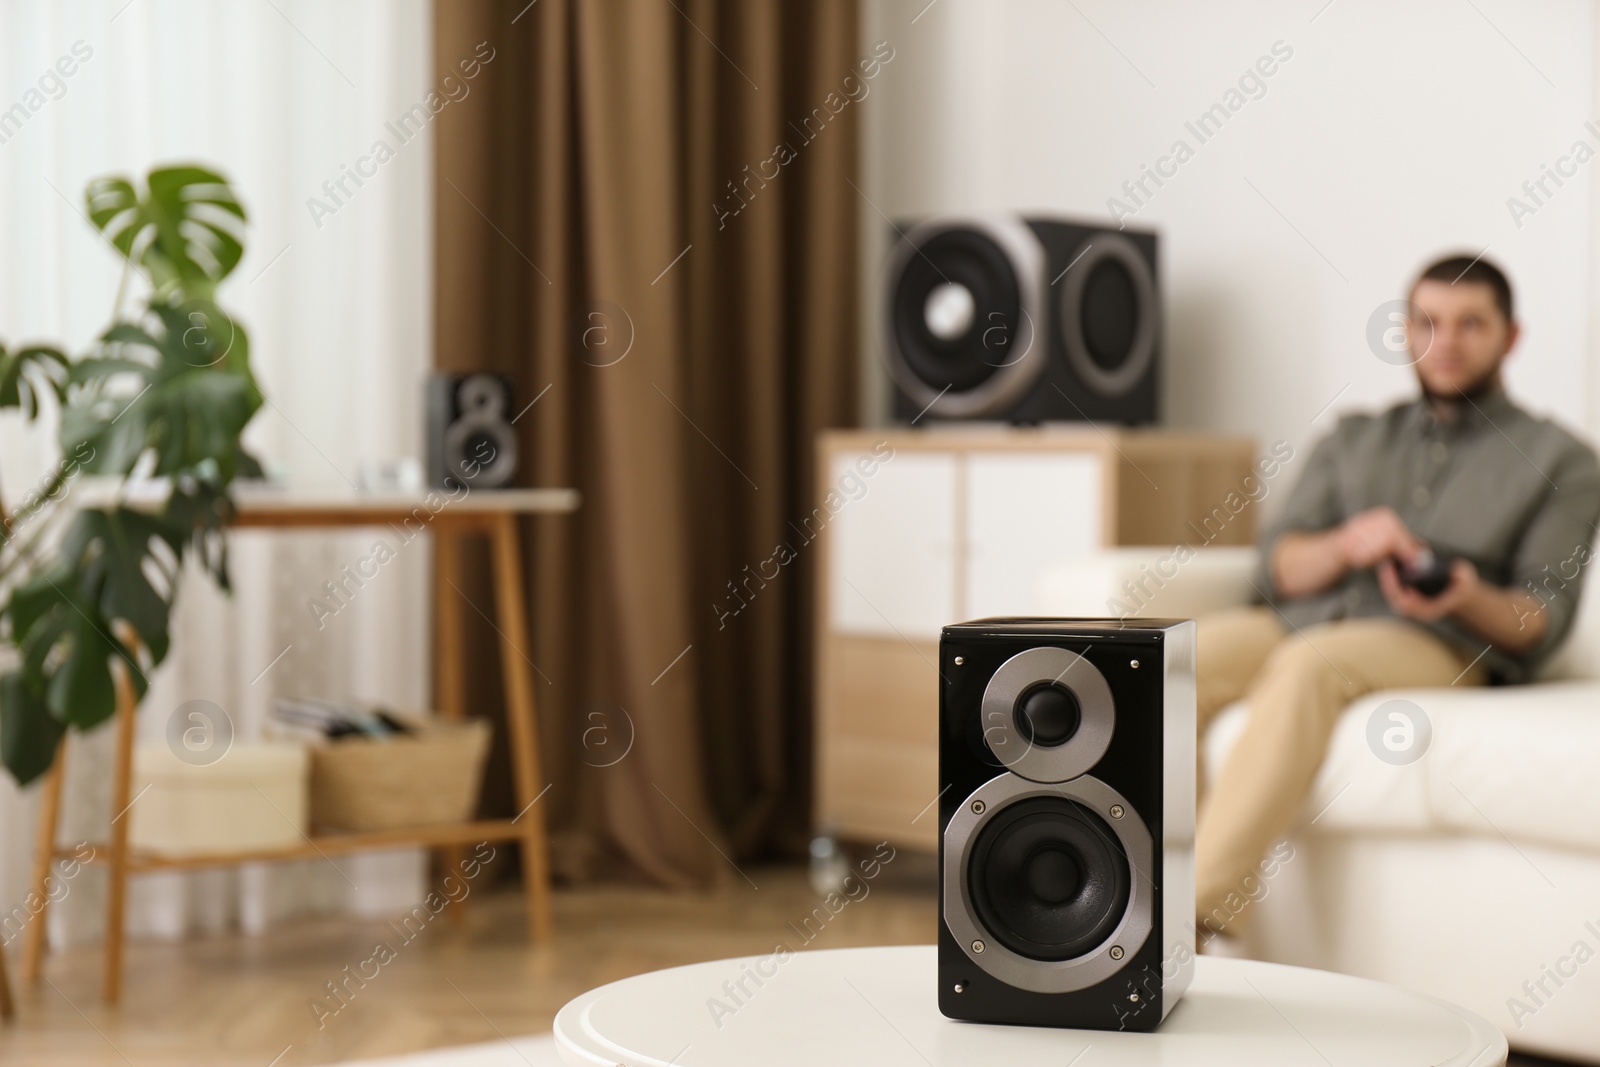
[[876, 1006]]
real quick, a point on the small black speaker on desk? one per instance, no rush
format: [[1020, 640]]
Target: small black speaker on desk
[[1066, 814], [470, 436], [1024, 320]]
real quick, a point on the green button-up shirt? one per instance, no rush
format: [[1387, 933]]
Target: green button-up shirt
[[1517, 495]]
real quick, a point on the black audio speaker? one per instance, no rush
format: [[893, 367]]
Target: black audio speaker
[[1066, 814], [1024, 320], [470, 437]]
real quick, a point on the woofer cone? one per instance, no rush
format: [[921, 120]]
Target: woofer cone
[[1048, 879]]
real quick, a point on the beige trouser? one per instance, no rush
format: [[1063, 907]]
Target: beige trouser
[[1296, 684]]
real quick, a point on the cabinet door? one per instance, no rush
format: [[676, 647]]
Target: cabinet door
[[892, 567], [1025, 512]]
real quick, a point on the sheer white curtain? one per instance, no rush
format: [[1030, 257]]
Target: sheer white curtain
[[281, 95]]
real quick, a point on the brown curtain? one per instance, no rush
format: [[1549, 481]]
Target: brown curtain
[[618, 229]]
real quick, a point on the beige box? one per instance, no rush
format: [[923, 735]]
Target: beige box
[[254, 798]]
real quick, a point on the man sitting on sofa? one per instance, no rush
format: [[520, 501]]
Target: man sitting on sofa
[[1460, 472]]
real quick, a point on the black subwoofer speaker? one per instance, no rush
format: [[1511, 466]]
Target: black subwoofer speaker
[[470, 437], [1024, 320], [1066, 853]]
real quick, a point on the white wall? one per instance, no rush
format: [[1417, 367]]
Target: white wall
[[1393, 133], [277, 96]]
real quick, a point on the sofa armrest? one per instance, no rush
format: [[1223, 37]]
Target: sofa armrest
[[1151, 581]]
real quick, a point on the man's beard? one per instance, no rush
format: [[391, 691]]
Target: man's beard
[[1473, 390]]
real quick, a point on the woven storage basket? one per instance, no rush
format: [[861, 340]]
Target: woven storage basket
[[430, 776]]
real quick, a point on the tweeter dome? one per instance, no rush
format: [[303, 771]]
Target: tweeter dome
[[1066, 852], [1022, 319]]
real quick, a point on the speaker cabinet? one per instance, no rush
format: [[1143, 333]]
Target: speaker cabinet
[[1066, 852], [1024, 320], [470, 437]]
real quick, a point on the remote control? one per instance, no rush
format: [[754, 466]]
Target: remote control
[[1429, 575]]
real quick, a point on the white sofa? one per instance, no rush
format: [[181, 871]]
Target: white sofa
[[1472, 874]]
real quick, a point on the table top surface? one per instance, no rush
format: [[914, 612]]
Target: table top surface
[[264, 505], [877, 1006]]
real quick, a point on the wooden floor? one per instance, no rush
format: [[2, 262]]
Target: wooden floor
[[243, 1001]]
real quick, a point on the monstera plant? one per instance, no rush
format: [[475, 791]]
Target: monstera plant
[[157, 404]]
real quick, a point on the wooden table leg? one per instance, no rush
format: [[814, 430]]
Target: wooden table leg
[[44, 847], [449, 681], [7, 1007], [511, 607], [117, 861]]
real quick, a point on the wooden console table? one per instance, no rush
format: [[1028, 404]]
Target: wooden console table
[[493, 513]]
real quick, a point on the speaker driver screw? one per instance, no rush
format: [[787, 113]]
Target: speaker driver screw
[[977, 946], [978, 807], [961, 987], [1134, 664], [960, 660], [1116, 811], [1116, 952], [1133, 997]]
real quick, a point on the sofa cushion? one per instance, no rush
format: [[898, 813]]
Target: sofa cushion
[[1151, 581], [1513, 762], [1579, 654]]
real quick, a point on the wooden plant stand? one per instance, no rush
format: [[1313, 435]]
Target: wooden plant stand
[[493, 513]]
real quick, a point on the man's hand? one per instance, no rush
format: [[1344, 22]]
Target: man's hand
[[1407, 602], [1304, 564], [1513, 619], [1373, 536]]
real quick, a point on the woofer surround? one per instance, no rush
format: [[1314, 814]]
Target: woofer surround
[[1108, 337]]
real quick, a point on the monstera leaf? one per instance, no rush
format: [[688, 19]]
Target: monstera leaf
[[189, 394], [67, 645], [116, 573], [29, 373], [203, 510], [28, 732], [167, 393], [185, 232], [121, 570]]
